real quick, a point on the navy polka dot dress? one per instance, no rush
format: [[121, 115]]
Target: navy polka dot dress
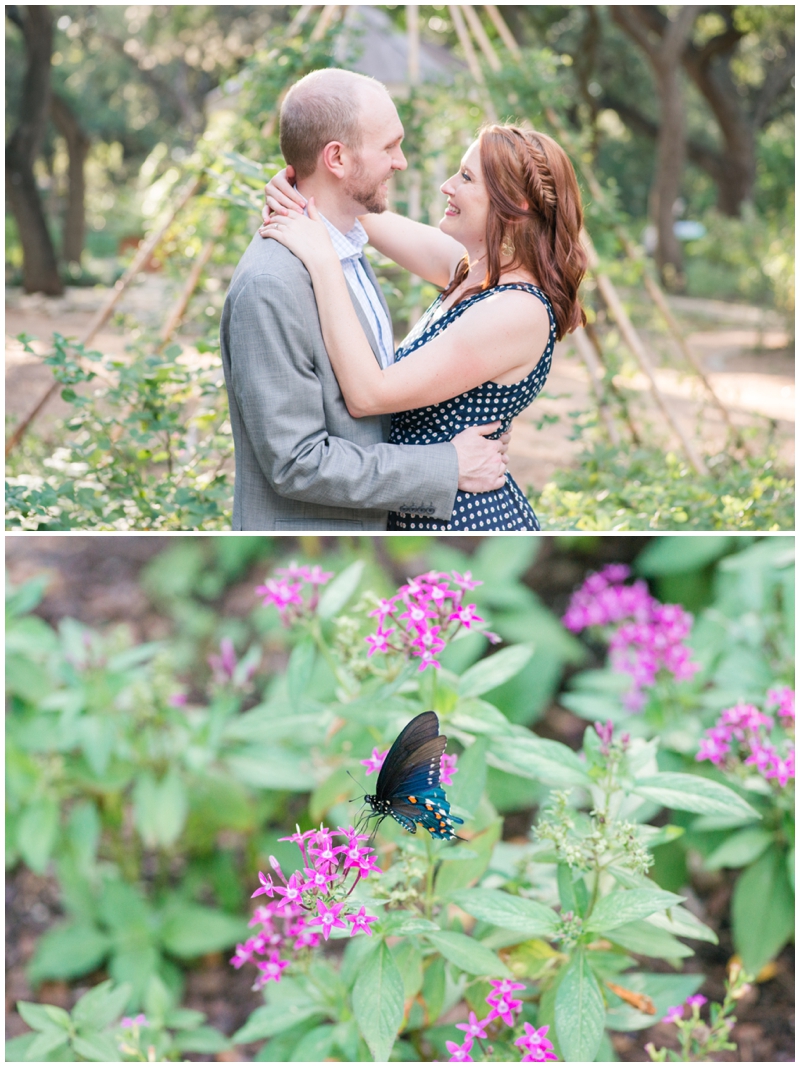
[[503, 509]]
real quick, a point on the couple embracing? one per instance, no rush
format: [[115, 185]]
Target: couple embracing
[[333, 428]]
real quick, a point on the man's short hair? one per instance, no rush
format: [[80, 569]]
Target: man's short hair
[[323, 106]]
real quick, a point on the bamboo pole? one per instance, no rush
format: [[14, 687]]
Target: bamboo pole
[[654, 290], [299, 20], [324, 21], [505, 33], [594, 339], [480, 35], [589, 356], [143, 254], [176, 315], [634, 342], [472, 59]]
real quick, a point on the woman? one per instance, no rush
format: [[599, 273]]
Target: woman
[[508, 258]]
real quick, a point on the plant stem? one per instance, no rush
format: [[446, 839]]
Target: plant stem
[[429, 878]]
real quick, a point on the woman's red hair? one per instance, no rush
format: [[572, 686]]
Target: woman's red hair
[[523, 167]]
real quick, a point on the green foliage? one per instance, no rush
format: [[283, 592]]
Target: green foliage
[[146, 448], [743, 640], [643, 488], [94, 1032]]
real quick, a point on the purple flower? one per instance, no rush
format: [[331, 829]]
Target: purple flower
[[267, 888], [328, 918], [224, 664], [460, 1053], [697, 1001], [126, 1022], [502, 1008], [375, 761], [178, 700], [447, 768], [361, 921], [466, 615], [473, 1028], [465, 581], [379, 642], [272, 969], [674, 1014]]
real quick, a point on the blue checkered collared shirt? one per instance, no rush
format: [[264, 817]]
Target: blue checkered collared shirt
[[350, 248]]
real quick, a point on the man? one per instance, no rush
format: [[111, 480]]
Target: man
[[302, 461]]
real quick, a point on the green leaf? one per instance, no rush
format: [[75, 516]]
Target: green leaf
[[101, 1006], [67, 952], [46, 1018], [84, 833], [408, 957], [378, 1002], [502, 909], [298, 673], [44, 1044], [677, 555], [468, 954], [96, 1047], [17, 1047], [681, 923], [468, 785], [37, 831], [690, 792], [183, 1018], [336, 595], [270, 767], [174, 807], [274, 1019], [646, 940], [580, 1012], [192, 930], [762, 910], [627, 905], [492, 671], [453, 876], [740, 849], [146, 808], [203, 1039], [315, 1046], [534, 757]]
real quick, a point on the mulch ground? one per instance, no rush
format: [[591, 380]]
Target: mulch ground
[[95, 580]]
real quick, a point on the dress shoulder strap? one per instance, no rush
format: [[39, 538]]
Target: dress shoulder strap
[[527, 287]]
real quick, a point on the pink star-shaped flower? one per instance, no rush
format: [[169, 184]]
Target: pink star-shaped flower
[[267, 887], [473, 1028], [361, 921], [272, 969], [328, 918], [375, 761]]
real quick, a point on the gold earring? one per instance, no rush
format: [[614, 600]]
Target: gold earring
[[507, 247]]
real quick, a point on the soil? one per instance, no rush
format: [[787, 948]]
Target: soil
[[95, 580], [746, 353]]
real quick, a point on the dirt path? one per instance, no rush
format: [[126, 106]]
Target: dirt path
[[744, 351]]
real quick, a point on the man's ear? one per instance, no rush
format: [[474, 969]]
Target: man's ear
[[332, 158]]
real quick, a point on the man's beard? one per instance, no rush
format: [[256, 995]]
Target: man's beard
[[367, 193]]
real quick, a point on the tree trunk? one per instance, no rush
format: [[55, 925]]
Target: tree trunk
[[39, 269], [78, 148], [665, 53]]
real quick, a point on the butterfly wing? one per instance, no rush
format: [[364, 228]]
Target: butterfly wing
[[409, 779]]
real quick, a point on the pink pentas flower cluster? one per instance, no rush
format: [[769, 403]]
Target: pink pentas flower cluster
[[743, 736], [294, 591], [645, 637], [306, 907], [447, 766], [502, 1006], [423, 615]]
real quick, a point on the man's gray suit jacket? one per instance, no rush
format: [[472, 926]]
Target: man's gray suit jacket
[[302, 461]]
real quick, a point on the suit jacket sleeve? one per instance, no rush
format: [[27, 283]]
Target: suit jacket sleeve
[[283, 409]]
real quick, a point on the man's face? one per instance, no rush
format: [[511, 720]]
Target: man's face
[[380, 154]]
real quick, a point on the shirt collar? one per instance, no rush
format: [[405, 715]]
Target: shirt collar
[[348, 245]]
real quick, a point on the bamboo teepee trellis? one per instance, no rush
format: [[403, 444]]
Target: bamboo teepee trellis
[[468, 27]]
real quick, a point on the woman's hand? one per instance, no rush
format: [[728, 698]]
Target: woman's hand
[[281, 197], [306, 237]]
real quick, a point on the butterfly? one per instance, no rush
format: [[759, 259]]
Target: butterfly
[[408, 786]]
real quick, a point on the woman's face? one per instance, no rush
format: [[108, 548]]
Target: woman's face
[[467, 203]]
